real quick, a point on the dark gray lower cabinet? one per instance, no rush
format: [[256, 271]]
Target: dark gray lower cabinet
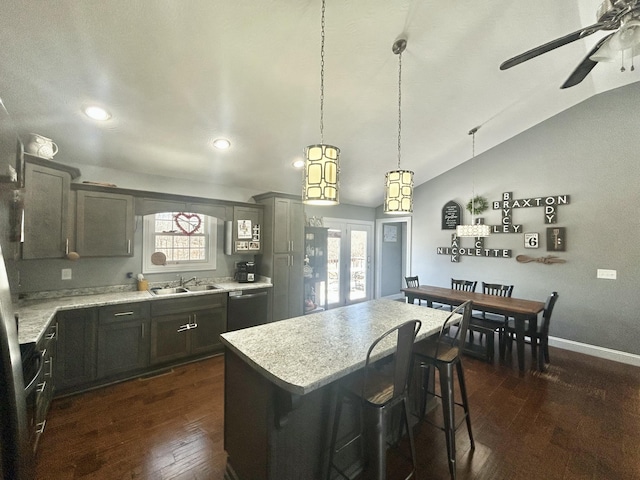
[[123, 339], [76, 349], [114, 342], [169, 337], [188, 326]]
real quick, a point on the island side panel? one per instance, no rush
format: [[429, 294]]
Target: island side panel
[[269, 433], [247, 397]]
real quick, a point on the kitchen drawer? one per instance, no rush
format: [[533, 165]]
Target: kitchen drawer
[[125, 311], [188, 303]]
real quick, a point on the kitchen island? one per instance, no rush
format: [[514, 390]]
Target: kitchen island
[[279, 378]]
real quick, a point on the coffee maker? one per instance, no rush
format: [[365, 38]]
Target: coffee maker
[[245, 272]]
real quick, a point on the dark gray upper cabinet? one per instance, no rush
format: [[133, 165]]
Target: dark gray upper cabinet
[[104, 224], [288, 226], [282, 256], [176, 203], [250, 242], [47, 224]]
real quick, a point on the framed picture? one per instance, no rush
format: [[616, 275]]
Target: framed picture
[[556, 239], [254, 245], [242, 245], [390, 233], [244, 228]]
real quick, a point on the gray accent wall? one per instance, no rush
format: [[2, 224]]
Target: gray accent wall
[[590, 152]]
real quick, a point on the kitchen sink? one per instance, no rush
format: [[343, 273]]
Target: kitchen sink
[[202, 288], [169, 291]]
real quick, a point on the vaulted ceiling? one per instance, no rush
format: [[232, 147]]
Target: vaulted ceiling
[[175, 74]]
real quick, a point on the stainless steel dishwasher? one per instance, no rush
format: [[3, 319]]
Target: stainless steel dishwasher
[[247, 308]]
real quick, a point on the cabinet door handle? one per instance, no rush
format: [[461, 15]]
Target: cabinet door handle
[[184, 328], [142, 326], [292, 260], [40, 427], [41, 387], [129, 246], [66, 247], [194, 324], [50, 362], [122, 314]]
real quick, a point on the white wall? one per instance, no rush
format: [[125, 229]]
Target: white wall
[[589, 152]]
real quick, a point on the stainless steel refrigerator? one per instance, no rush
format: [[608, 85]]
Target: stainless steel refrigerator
[[16, 459]]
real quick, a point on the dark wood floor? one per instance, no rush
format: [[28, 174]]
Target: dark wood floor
[[578, 420]]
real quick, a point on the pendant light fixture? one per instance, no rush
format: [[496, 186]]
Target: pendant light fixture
[[477, 228], [322, 162], [398, 184]]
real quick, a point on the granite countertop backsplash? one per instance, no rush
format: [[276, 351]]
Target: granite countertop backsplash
[[36, 310]]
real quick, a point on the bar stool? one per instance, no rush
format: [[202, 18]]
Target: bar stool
[[378, 388], [443, 354]]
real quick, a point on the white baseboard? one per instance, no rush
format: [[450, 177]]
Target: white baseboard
[[594, 350]]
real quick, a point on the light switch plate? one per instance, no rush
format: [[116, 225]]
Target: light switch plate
[[608, 274], [66, 274]]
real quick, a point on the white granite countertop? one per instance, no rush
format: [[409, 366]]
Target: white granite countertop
[[305, 353], [35, 315]]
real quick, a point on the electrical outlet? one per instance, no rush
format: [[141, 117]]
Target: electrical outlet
[[608, 274], [66, 274]]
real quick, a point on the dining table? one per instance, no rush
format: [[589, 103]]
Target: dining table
[[519, 309]]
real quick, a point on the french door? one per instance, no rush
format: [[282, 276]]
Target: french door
[[350, 249]]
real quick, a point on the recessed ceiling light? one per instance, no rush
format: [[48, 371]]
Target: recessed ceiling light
[[221, 143], [298, 163], [96, 113]]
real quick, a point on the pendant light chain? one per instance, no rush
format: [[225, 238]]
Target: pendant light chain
[[322, 75], [321, 181], [398, 191], [399, 105], [472, 132]]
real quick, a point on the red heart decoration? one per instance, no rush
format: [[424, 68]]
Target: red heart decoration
[[188, 223]]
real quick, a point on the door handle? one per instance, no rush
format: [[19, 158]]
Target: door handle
[[40, 427]]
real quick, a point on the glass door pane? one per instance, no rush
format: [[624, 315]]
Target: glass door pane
[[334, 246], [358, 264], [349, 263]]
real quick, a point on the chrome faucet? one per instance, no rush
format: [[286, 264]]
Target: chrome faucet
[[183, 282]]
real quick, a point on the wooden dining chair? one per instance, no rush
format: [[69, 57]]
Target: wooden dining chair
[[488, 323], [536, 335], [465, 285], [413, 282]]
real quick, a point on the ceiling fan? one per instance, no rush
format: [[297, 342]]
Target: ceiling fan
[[623, 16]]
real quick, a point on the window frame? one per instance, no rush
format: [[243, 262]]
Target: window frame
[[210, 230]]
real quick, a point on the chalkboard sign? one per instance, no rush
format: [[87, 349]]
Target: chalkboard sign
[[451, 216]]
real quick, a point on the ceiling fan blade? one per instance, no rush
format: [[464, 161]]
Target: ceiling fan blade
[[586, 66], [553, 44]]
